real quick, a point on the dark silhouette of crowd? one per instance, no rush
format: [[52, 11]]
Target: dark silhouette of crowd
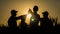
[[46, 23]]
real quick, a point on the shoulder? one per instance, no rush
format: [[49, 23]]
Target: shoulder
[[38, 15], [41, 18]]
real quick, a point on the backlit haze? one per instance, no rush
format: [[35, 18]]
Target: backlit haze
[[22, 6]]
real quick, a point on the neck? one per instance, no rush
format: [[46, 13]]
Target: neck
[[35, 12], [13, 16]]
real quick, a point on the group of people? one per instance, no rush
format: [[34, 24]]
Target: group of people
[[45, 22]]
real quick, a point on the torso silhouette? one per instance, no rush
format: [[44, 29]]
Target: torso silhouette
[[34, 21], [46, 23], [23, 24], [12, 21]]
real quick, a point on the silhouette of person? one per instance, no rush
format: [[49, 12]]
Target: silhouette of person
[[12, 21], [34, 18], [23, 24], [46, 23]]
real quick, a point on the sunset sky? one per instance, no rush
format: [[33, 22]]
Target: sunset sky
[[22, 6]]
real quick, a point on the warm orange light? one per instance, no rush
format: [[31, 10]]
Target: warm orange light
[[32, 19], [29, 16]]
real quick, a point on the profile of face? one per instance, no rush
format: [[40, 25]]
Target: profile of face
[[45, 14], [14, 14]]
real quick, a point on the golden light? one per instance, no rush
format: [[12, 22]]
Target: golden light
[[29, 16], [32, 19]]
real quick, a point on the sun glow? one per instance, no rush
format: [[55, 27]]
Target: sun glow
[[32, 19], [29, 16]]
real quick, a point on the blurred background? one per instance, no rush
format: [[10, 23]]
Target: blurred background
[[22, 6]]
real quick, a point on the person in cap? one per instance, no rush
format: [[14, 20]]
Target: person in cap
[[46, 22], [12, 21]]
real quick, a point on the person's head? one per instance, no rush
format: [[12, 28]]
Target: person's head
[[13, 12], [45, 14], [35, 9]]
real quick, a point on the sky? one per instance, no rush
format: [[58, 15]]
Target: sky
[[22, 6]]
